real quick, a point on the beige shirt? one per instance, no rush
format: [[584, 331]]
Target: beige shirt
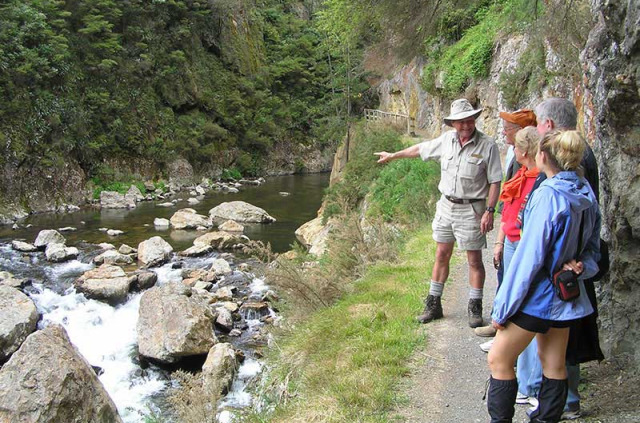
[[465, 172]]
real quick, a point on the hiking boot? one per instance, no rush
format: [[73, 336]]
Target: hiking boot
[[475, 313], [432, 309], [485, 331]]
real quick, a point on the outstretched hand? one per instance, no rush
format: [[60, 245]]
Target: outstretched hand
[[384, 157]]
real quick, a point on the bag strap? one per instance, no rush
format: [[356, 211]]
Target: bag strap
[[579, 250]]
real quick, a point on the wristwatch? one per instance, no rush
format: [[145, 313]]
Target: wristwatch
[[491, 209]]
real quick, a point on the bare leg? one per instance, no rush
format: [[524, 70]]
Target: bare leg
[[507, 345], [552, 348], [476, 268], [440, 271]]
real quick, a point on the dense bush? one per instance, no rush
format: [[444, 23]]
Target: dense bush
[[94, 79]]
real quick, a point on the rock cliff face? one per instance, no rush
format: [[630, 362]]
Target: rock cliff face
[[41, 188], [608, 103], [611, 60]]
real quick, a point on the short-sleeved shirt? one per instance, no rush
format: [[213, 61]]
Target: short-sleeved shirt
[[465, 171]]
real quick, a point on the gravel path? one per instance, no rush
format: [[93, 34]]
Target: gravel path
[[449, 375]]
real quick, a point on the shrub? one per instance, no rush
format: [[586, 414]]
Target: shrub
[[406, 192], [361, 169]]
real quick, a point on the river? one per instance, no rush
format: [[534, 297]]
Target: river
[[105, 335]]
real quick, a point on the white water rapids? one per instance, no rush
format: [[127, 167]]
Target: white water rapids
[[106, 336]]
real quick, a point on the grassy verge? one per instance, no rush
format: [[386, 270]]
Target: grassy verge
[[344, 362]]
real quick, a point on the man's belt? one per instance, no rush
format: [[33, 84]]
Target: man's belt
[[463, 200]]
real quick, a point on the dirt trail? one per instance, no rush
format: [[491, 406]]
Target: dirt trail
[[450, 373]]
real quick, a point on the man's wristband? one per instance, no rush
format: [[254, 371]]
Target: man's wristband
[[499, 243], [491, 209]]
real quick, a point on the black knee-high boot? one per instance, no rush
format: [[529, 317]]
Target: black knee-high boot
[[552, 397], [501, 400]]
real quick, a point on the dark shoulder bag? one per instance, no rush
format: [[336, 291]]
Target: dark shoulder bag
[[565, 282]]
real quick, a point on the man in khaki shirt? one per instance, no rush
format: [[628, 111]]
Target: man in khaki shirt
[[470, 184]]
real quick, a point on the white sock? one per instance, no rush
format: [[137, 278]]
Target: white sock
[[436, 288]]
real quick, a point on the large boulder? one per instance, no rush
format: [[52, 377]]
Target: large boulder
[[189, 219], [240, 212], [48, 236], [7, 278], [173, 323], [115, 200], [105, 283], [18, 318], [47, 380], [57, 253], [154, 251], [219, 240], [219, 369]]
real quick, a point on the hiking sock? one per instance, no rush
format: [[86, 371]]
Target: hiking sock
[[436, 288], [475, 293]]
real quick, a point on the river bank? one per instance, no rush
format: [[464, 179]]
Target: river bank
[[107, 335]]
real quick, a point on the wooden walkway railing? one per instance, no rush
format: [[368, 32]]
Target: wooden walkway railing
[[379, 116]]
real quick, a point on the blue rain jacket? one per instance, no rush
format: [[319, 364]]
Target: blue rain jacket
[[550, 239]]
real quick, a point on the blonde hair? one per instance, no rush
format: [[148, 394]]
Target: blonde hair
[[564, 149], [527, 140]]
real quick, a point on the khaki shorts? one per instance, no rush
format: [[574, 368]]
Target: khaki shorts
[[459, 223]]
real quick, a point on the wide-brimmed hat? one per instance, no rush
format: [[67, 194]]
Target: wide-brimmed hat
[[461, 109], [522, 117]]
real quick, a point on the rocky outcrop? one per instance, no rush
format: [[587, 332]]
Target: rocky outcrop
[[189, 219], [106, 283], [219, 369], [154, 251], [39, 188], [18, 318], [173, 323], [47, 380], [611, 60], [180, 173], [115, 200], [240, 211], [313, 235]]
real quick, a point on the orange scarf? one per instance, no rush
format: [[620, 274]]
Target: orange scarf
[[513, 187]]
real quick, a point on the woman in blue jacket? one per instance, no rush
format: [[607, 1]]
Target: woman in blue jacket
[[526, 304]]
